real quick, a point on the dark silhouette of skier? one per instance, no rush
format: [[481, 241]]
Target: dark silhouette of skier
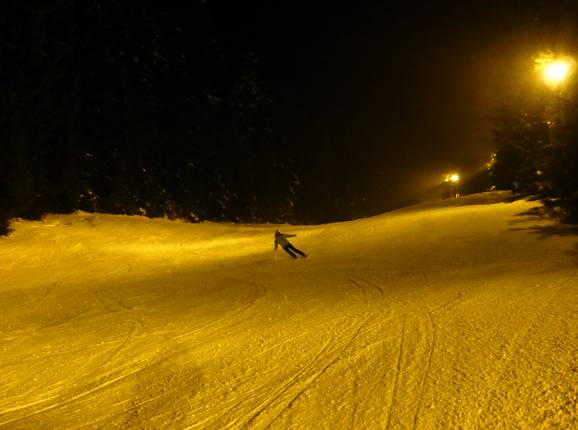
[[281, 239]]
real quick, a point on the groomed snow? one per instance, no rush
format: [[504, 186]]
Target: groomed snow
[[455, 315]]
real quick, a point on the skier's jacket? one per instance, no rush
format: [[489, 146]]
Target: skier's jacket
[[281, 239]]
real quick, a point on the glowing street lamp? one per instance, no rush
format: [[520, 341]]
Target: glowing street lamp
[[555, 70], [453, 179]]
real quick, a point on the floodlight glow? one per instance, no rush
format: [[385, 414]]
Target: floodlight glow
[[554, 70], [557, 72], [453, 177]]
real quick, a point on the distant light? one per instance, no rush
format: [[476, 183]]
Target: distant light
[[452, 177]]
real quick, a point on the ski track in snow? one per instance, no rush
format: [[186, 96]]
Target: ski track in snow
[[397, 373], [436, 317]]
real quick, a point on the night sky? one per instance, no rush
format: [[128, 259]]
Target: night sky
[[405, 88], [367, 104]]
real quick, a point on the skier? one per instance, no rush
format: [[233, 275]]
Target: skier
[[281, 239]]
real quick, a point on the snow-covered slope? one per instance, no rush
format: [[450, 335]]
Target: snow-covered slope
[[437, 317]]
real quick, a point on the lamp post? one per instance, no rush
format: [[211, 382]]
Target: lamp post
[[453, 179], [555, 72]]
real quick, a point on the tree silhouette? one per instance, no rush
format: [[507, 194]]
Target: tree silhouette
[[135, 108]]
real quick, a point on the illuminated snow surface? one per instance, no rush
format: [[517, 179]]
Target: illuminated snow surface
[[436, 317]]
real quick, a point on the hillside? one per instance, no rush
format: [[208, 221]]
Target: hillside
[[442, 316]]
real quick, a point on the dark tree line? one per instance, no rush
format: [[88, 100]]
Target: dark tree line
[[125, 107], [537, 149], [536, 131]]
